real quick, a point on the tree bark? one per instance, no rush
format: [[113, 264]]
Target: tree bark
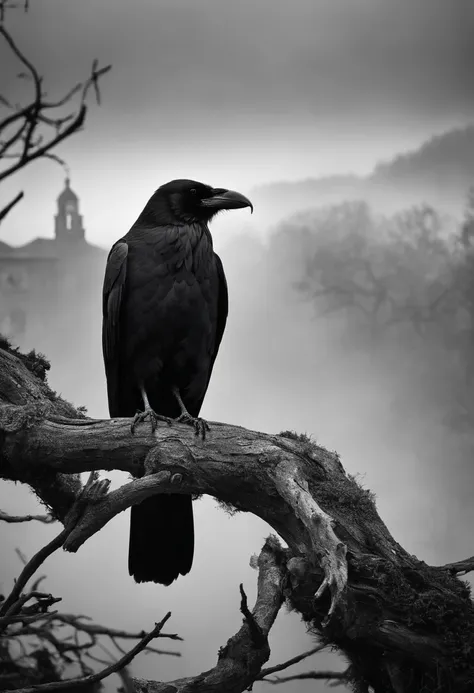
[[404, 626]]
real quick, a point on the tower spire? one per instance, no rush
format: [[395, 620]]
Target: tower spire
[[68, 221]]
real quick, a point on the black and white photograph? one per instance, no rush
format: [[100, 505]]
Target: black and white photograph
[[236, 346]]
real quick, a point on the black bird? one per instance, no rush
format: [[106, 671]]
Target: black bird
[[164, 312]]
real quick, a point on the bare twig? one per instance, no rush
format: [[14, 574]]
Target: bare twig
[[94, 678], [9, 4], [5, 517], [5, 145], [289, 662], [314, 675], [21, 618], [127, 681], [256, 633], [26, 143], [460, 567], [91, 489], [10, 205], [29, 66], [43, 602], [73, 127], [31, 567], [21, 556], [95, 629]]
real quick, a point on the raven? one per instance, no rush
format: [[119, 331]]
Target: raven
[[165, 308]]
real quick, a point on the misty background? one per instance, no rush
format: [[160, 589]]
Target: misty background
[[336, 119]]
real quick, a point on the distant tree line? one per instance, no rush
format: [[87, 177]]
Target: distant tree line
[[408, 277]]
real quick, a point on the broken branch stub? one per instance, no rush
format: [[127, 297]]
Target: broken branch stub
[[328, 550]]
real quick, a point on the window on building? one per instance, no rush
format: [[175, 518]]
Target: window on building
[[70, 212]]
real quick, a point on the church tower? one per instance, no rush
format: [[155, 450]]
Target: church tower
[[68, 222]]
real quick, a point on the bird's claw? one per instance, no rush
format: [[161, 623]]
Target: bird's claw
[[200, 425], [141, 416]]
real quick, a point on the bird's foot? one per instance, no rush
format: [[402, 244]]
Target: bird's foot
[[141, 416], [200, 425]]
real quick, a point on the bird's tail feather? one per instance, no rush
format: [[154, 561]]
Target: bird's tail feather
[[161, 538]]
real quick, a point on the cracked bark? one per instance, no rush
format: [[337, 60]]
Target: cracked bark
[[403, 625]]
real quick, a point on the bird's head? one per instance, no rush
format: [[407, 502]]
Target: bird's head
[[188, 201]]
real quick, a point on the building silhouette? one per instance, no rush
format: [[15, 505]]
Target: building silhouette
[[47, 287]]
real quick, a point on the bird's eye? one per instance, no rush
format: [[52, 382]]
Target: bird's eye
[[193, 191]]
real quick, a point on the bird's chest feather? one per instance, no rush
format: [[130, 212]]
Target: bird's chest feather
[[172, 286]]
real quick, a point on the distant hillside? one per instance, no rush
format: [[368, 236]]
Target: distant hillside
[[446, 159], [439, 172]]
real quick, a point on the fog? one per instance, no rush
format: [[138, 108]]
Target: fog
[[239, 95]]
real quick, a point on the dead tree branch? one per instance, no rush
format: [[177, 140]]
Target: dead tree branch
[[70, 684], [80, 623], [461, 567], [91, 491], [5, 517], [45, 646], [341, 676], [34, 130], [289, 663], [8, 207]]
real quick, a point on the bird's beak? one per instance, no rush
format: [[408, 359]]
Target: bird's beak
[[226, 199]]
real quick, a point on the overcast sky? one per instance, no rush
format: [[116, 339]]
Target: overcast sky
[[238, 93]]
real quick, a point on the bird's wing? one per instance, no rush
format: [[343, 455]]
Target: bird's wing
[[222, 308], [114, 283]]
